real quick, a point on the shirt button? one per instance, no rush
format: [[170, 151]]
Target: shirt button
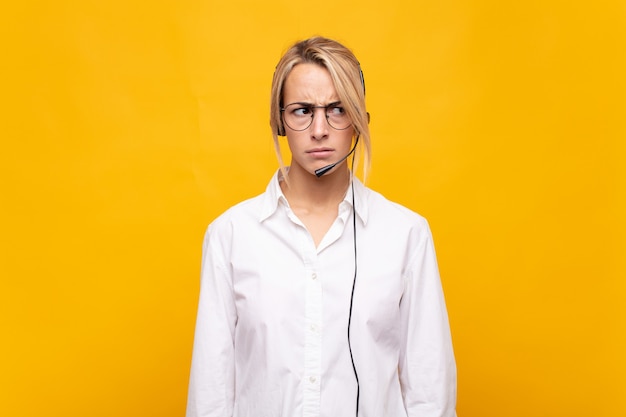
[[312, 379], [313, 275], [314, 328]]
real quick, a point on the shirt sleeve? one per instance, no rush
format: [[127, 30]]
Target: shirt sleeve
[[427, 364], [212, 377]]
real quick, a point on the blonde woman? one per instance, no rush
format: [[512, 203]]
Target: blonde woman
[[320, 297]]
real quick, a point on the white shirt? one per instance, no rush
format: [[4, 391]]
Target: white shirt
[[272, 325]]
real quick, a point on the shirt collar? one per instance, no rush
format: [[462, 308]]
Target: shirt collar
[[274, 194], [360, 199]]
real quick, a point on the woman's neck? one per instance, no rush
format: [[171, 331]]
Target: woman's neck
[[308, 191], [315, 201]]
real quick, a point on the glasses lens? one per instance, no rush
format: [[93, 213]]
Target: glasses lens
[[337, 117], [299, 116]]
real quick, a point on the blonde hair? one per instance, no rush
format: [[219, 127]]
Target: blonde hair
[[345, 72]]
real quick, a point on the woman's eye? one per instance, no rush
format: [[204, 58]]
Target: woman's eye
[[302, 111], [336, 111]]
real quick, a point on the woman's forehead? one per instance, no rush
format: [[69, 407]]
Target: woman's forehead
[[309, 83]]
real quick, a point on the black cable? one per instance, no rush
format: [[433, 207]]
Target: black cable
[[356, 376]]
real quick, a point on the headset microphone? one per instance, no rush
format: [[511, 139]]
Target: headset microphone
[[323, 170]]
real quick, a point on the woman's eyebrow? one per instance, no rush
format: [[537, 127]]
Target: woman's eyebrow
[[307, 104]]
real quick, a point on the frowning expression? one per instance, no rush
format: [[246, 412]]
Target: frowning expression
[[310, 89]]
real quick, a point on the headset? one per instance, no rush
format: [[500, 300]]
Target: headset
[[356, 375], [319, 172]]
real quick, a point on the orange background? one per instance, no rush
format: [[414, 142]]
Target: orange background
[[127, 126]]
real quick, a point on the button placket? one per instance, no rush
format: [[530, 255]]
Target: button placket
[[313, 341]]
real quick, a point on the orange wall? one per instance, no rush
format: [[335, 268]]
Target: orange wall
[[127, 126]]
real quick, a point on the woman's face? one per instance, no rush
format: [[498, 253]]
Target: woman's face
[[319, 144]]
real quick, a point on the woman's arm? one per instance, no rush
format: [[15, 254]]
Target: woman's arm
[[211, 385], [427, 365]]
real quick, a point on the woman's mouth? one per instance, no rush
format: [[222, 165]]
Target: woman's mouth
[[320, 152]]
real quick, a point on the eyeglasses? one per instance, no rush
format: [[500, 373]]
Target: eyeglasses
[[299, 116]]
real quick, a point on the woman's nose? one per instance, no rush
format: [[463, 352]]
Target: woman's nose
[[319, 125]]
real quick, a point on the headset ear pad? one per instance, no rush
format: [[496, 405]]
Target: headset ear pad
[[280, 129]]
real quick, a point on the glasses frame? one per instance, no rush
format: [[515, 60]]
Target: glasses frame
[[312, 107]]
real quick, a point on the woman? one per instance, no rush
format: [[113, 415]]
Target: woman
[[320, 297]]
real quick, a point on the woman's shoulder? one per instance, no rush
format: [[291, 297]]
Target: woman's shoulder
[[239, 213], [389, 218], [385, 209]]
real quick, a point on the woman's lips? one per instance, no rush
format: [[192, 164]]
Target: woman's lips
[[320, 153]]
